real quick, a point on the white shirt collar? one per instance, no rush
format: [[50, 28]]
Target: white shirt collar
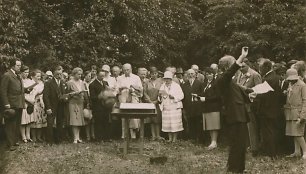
[[268, 72], [14, 72]]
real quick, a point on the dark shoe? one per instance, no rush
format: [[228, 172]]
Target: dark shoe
[[255, 153], [30, 140]]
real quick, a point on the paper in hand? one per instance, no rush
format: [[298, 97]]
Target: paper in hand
[[262, 88]]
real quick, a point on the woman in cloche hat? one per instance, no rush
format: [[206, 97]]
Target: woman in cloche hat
[[295, 112]]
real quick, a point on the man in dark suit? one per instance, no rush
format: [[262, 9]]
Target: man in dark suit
[[270, 105], [99, 112], [53, 100], [12, 95], [235, 97], [191, 110]]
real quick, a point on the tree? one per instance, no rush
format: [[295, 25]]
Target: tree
[[13, 35], [272, 29]]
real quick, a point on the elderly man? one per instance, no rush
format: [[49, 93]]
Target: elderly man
[[248, 78], [191, 110], [199, 76], [235, 97], [130, 90], [215, 68], [116, 70]]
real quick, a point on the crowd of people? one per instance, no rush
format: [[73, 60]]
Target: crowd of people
[[56, 106]]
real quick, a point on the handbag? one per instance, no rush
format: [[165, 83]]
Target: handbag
[[87, 114], [30, 108]]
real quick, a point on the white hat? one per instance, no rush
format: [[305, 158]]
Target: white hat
[[49, 73], [106, 68], [168, 75], [292, 74]]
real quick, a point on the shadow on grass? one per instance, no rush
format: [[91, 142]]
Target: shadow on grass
[[3, 157]]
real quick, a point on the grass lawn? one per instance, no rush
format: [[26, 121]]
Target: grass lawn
[[182, 158]]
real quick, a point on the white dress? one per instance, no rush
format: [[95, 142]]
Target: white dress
[[171, 108], [25, 117]]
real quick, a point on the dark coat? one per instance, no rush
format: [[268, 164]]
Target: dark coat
[[270, 103], [213, 102], [234, 97], [53, 95], [95, 88], [191, 107], [12, 91]]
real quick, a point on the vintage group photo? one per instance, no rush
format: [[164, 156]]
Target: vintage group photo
[[152, 86]]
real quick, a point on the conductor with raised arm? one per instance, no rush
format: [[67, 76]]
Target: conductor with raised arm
[[235, 99]]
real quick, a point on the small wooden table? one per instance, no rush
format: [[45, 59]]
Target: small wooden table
[[129, 111]]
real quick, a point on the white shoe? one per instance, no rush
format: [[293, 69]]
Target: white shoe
[[212, 146], [75, 142]]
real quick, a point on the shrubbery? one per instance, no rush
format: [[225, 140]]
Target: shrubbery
[[161, 32]]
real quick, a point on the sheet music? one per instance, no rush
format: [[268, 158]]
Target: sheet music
[[262, 88]]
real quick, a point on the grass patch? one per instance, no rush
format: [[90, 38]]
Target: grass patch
[[182, 157]]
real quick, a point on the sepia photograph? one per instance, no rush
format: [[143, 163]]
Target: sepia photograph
[[152, 86]]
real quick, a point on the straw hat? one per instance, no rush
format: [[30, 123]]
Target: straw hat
[[168, 75], [292, 74]]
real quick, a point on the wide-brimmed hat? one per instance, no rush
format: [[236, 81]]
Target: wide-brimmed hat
[[105, 68], [292, 74], [168, 75]]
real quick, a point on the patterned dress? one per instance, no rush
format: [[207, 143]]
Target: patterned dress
[[39, 115], [76, 103]]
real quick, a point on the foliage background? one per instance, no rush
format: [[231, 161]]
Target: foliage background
[[145, 32]]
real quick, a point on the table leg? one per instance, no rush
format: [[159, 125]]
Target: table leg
[[141, 135], [126, 136]]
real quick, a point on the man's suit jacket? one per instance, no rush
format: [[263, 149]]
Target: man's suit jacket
[[191, 107], [95, 88], [250, 79], [271, 102], [200, 77], [12, 91], [53, 95], [234, 97]]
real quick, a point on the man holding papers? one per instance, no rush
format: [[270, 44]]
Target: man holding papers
[[269, 109]]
